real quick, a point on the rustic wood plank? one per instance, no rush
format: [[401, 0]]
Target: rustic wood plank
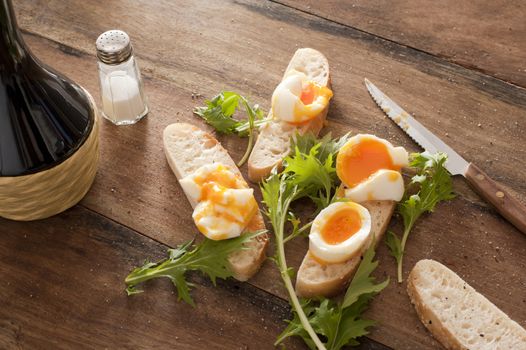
[[62, 287], [487, 36], [136, 188]]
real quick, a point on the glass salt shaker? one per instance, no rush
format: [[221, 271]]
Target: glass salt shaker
[[123, 100]]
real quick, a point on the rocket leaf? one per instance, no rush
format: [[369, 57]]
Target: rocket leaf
[[209, 257]]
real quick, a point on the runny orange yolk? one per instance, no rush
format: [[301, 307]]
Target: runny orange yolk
[[356, 162], [341, 226], [313, 99], [221, 177], [308, 94]]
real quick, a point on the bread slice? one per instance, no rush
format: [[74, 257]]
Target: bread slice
[[458, 316], [187, 148], [316, 279], [273, 143]]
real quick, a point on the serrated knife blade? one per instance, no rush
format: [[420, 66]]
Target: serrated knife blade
[[509, 207], [456, 165]]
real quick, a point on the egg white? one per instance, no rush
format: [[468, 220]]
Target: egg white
[[354, 245], [193, 190], [208, 216], [381, 186]]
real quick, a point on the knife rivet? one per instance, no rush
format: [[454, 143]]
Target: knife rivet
[[499, 194], [480, 177]]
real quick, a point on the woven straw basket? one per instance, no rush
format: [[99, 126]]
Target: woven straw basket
[[49, 192]]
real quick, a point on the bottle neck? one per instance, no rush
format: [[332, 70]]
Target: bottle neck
[[12, 46]]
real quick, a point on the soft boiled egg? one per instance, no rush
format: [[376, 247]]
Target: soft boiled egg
[[297, 100], [369, 167], [225, 205], [340, 232]]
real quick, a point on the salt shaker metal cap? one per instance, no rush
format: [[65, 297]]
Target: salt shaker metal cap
[[123, 100], [113, 47]]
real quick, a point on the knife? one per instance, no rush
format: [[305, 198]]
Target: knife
[[489, 189]]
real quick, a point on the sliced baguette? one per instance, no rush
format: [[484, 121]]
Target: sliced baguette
[[273, 143], [316, 279], [458, 316], [187, 148]]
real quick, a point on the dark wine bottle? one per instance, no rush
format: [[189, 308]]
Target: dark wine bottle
[[45, 119]]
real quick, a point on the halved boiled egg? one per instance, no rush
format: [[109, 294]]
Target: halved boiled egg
[[225, 205], [370, 168], [297, 100], [382, 185], [340, 232]]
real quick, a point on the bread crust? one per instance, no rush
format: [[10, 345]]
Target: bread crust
[[334, 278], [273, 142], [187, 148]]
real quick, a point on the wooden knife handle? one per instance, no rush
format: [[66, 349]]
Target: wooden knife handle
[[493, 192]]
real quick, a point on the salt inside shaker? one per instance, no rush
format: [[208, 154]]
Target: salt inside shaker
[[123, 100]]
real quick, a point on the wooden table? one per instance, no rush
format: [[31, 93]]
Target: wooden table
[[459, 66]]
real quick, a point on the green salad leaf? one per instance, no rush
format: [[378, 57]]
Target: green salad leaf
[[209, 257], [363, 283], [431, 185], [312, 166], [310, 172], [340, 323], [314, 178], [278, 194], [219, 113], [327, 146]]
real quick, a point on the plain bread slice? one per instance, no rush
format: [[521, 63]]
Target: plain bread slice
[[273, 142], [456, 314]]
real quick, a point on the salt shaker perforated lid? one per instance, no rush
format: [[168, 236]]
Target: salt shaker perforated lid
[[123, 100], [114, 47]]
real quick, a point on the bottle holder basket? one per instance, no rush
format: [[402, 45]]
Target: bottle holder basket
[[51, 191]]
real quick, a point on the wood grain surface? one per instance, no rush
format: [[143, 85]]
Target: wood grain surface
[[484, 35], [186, 54], [65, 290]]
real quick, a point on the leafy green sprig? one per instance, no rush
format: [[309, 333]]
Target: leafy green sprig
[[219, 113], [310, 172], [340, 323], [209, 257], [431, 185], [278, 193], [312, 166]]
